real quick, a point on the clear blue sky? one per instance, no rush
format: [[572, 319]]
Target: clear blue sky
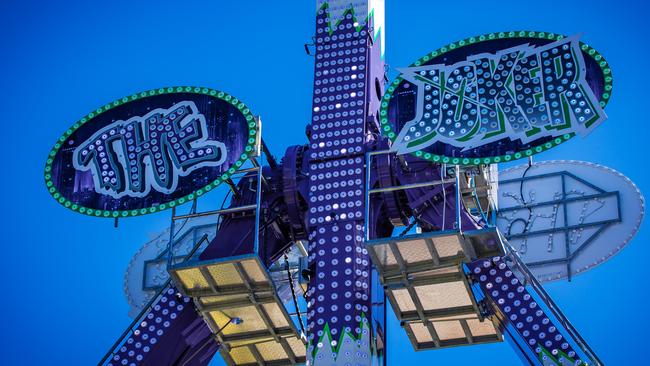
[[62, 299]]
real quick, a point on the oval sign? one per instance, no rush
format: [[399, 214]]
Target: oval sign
[[566, 217], [496, 97], [150, 151]]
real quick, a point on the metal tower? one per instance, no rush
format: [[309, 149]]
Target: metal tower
[[348, 83]]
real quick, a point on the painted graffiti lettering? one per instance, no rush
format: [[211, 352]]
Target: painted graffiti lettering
[[128, 158], [521, 93]]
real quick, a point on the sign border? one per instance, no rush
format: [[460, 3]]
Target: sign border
[[253, 133], [387, 130]]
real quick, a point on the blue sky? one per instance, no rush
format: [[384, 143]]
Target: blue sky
[[62, 299]]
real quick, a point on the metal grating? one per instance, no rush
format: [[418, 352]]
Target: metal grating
[[417, 253], [241, 288], [432, 293], [414, 251], [449, 329], [451, 332], [192, 279], [242, 356], [443, 295], [224, 275], [286, 351], [426, 285], [447, 246]]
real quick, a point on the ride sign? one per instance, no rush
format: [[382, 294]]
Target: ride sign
[[496, 97], [150, 151]]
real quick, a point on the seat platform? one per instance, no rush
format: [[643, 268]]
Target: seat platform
[[237, 298], [425, 280]]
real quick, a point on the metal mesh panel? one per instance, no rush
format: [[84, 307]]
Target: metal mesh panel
[[253, 270], [449, 329], [219, 319], [443, 295], [225, 274], [192, 279], [242, 355], [385, 255], [414, 251], [276, 315], [481, 328], [251, 320], [447, 246], [403, 299], [271, 351], [298, 348], [421, 333]]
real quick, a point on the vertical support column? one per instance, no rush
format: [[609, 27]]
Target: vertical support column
[[348, 53]]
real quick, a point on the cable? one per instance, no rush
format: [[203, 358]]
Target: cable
[[512, 223], [410, 226], [192, 211], [478, 202], [523, 200], [444, 196], [293, 293], [223, 203], [175, 234]]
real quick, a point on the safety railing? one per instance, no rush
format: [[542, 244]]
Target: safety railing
[[369, 191], [252, 169]]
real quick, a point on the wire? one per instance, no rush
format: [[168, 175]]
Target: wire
[[175, 234], [223, 204], [444, 197], [523, 201], [192, 211], [293, 293], [512, 223], [478, 202]]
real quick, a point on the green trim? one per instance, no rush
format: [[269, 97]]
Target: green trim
[[364, 323], [545, 353], [330, 30], [253, 131], [377, 33], [388, 131]]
